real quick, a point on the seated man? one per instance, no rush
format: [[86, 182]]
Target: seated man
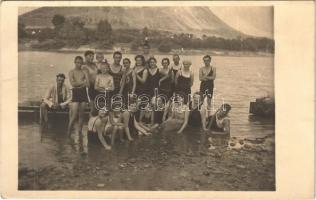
[[220, 122], [57, 98]]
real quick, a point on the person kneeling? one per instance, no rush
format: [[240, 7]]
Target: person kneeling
[[220, 122]]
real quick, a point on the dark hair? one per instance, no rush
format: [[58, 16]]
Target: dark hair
[[78, 58], [176, 55], [127, 60], [117, 53], [94, 112], [207, 56], [226, 107], [141, 57], [88, 53], [152, 58], [105, 63], [167, 59], [61, 75]]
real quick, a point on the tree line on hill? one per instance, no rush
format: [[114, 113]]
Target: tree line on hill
[[71, 32]]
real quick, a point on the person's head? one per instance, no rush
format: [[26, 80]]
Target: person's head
[[116, 108], [60, 79], [101, 113], [99, 57], [78, 61], [89, 56], [139, 60], [132, 107], [165, 62], [176, 58], [126, 63], [207, 60], [152, 62], [117, 57], [224, 110], [146, 48], [197, 97], [104, 67], [186, 64]]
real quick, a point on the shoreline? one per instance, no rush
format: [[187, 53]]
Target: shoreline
[[212, 52]]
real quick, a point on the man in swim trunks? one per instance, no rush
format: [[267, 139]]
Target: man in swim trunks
[[80, 82], [92, 70], [57, 98]]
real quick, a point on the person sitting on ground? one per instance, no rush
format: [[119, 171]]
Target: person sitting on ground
[[220, 122], [116, 123], [179, 116], [57, 98], [146, 119], [96, 128]]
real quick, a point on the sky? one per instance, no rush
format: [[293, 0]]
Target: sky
[[251, 20]]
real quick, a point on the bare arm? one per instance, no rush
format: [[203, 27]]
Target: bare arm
[[68, 97], [203, 117], [213, 75], [201, 75], [176, 78], [100, 129], [134, 82], [192, 78], [111, 84], [48, 96], [165, 112], [123, 81], [112, 121], [144, 78], [87, 78], [97, 86]]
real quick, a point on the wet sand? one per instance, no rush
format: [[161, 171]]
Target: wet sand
[[163, 161]]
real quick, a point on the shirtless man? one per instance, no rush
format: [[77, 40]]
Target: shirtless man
[[92, 70], [79, 81]]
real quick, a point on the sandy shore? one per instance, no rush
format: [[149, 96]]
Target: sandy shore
[[155, 163]]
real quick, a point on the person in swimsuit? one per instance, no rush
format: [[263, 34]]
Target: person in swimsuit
[[159, 105], [128, 80], [197, 116], [153, 78], [207, 75], [179, 116], [116, 70], [141, 74], [92, 70], [57, 98], [146, 119], [146, 54], [166, 79], [96, 128], [175, 67], [220, 122], [80, 82], [104, 84], [116, 123], [184, 80]]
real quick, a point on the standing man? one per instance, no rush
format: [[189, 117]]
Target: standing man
[[57, 98], [207, 76], [175, 67], [116, 71], [146, 53], [92, 70]]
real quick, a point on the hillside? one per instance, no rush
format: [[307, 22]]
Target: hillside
[[196, 20]]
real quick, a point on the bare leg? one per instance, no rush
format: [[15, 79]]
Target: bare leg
[[126, 118], [121, 132], [115, 128], [101, 135], [73, 115], [81, 109], [92, 107]]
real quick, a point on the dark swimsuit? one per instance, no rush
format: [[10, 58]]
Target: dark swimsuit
[[140, 87], [166, 86], [153, 83], [117, 80], [128, 87], [206, 87], [79, 95], [195, 116], [92, 135], [146, 120], [184, 87], [158, 115]]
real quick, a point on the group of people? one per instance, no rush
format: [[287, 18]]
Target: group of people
[[125, 101]]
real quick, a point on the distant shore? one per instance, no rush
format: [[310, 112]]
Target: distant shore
[[213, 52]]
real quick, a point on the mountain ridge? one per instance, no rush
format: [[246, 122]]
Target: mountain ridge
[[196, 20]]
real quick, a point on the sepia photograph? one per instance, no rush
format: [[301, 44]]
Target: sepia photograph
[[146, 98]]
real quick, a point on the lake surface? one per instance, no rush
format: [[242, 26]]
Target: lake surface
[[239, 80]]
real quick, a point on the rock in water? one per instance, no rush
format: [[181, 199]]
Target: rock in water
[[100, 185]]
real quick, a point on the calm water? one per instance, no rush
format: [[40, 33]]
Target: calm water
[[239, 81]]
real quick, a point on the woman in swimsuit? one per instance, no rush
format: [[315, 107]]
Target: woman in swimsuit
[[175, 67], [184, 81], [128, 83], [153, 77], [141, 74], [220, 122], [207, 76], [197, 116], [179, 117], [166, 79], [96, 128], [146, 119]]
